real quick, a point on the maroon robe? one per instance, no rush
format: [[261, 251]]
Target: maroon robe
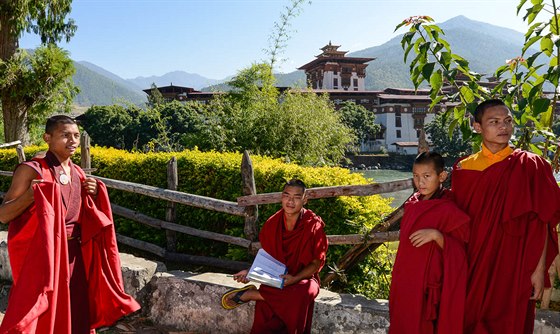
[[290, 310], [514, 205], [47, 269], [428, 283]]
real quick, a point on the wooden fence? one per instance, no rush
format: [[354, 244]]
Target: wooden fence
[[246, 207]]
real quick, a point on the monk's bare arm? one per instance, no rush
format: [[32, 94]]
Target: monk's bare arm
[[537, 278], [20, 194], [307, 272]]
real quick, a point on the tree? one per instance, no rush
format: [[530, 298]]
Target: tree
[[449, 146], [519, 84], [47, 19], [254, 116], [359, 119]]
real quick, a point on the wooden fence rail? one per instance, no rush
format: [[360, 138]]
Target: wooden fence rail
[[175, 196], [336, 191]]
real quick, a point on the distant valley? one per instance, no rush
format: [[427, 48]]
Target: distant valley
[[486, 47]]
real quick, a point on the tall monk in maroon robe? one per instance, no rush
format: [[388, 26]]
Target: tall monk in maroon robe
[[514, 204], [62, 245], [429, 275], [294, 236]]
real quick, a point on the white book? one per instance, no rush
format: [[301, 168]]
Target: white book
[[267, 270]]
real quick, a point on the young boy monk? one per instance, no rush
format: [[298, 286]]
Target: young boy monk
[[294, 236], [514, 204], [429, 276], [62, 246]]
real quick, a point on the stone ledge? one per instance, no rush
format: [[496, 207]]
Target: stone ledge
[[191, 302]]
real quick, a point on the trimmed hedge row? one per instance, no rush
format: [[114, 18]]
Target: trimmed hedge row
[[218, 175]]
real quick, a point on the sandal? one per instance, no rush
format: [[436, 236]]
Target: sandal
[[237, 293]]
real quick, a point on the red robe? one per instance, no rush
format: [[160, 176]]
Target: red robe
[[39, 299], [290, 310], [514, 205], [428, 283]]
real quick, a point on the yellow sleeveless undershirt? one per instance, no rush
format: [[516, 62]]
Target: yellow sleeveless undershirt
[[484, 158]]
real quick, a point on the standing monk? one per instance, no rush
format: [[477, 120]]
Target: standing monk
[[294, 236], [514, 204], [62, 246]]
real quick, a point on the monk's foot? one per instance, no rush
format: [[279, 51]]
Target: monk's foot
[[235, 297]]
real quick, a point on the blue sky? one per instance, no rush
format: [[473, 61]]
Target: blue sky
[[217, 38]]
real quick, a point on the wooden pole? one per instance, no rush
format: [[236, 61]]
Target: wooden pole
[[171, 212], [359, 252], [20, 153], [252, 211], [85, 155]]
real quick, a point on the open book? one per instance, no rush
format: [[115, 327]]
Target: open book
[[267, 270]]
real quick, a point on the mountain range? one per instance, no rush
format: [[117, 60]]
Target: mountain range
[[486, 46]]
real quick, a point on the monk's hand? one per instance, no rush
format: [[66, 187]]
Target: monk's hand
[[537, 281], [289, 279], [424, 236], [241, 276], [90, 185]]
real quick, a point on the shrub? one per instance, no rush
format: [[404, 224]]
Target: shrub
[[218, 175]]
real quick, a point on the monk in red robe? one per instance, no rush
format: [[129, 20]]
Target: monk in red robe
[[514, 204], [430, 273], [62, 245], [294, 236]]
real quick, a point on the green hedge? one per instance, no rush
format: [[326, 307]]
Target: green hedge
[[218, 175]]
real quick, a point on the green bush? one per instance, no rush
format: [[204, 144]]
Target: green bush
[[218, 175]]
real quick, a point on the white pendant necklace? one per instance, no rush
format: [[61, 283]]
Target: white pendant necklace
[[63, 178]]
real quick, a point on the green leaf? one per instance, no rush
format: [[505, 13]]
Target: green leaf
[[520, 5], [435, 100], [427, 70], [554, 29], [400, 25], [467, 94], [547, 46], [436, 81], [534, 148], [540, 106], [530, 42], [532, 58], [460, 60]]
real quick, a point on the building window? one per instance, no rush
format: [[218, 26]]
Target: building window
[[355, 82], [418, 133], [418, 109], [398, 122], [335, 83], [337, 101], [351, 100], [398, 133], [363, 101]]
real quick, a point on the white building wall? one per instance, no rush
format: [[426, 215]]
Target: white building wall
[[386, 116]]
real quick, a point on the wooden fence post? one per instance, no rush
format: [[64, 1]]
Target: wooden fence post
[[20, 153], [85, 155], [171, 211], [249, 188]]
